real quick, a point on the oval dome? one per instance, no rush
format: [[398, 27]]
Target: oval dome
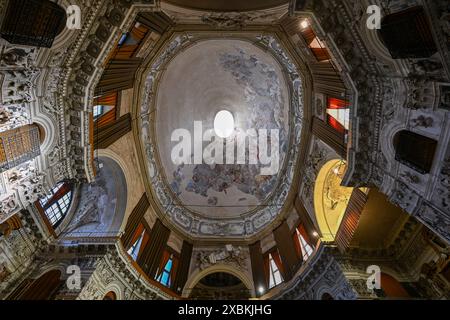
[[201, 82]]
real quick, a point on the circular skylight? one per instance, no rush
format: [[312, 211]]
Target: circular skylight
[[224, 124]]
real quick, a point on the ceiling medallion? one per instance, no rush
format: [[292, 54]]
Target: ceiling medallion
[[259, 88]]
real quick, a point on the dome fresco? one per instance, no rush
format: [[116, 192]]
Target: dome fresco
[[207, 77], [207, 185]]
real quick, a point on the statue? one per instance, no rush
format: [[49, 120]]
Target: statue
[[228, 255]]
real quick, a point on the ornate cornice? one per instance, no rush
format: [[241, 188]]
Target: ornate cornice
[[319, 274]]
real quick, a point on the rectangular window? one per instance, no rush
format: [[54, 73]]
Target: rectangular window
[[306, 249], [135, 248], [338, 114], [275, 277], [98, 111], [164, 277], [122, 39]]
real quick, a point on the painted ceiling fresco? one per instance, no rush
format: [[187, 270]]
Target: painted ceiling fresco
[[208, 77]]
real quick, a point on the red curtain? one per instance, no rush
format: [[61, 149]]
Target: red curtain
[[43, 288], [107, 100], [277, 259], [267, 269], [321, 54], [132, 43], [110, 116], [144, 242], [165, 258], [139, 33], [173, 272], [106, 118], [136, 235], [309, 35], [126, 51], [301, 229], [298, 248], [64, 189], [335, 124], [334, 103]]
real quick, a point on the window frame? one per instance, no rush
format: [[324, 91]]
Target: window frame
[[136, 246], [306, 254], [100, 108], [62, 204], [168, 272], [270, 272]]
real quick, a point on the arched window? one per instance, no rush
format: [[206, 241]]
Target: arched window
[[57, 203], [111, 295], [327, 296], [414, 150]]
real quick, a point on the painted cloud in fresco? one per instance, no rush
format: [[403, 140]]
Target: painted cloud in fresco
[[264, 97]]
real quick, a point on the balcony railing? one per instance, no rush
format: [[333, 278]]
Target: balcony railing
[[350, 220], [18, 146]]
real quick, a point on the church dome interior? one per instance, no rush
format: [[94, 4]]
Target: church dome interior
[[254, 150]]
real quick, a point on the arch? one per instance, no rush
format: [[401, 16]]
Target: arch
[[330, 198], [220, 285], [326, 296], [101, 208], [47, 124], [67, 34], [392, 288], [111, 295], [115, 287], [42, 133], [386, 137], [108, 153], [195, 278]]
